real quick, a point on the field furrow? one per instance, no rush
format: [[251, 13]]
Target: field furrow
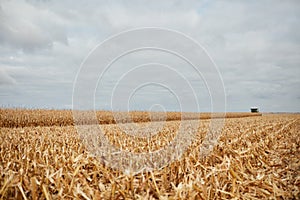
[[255, 158]]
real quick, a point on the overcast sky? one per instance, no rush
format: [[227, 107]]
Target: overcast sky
[[254, 44]]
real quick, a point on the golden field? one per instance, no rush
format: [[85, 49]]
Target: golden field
[[26, 117], [42, 157]]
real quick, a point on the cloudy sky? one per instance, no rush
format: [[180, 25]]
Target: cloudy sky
[[254, 44]]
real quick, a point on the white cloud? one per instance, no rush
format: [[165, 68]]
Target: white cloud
[[5, 78], [25, 26]]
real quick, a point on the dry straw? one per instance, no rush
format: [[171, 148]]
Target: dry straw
[[256, 158]]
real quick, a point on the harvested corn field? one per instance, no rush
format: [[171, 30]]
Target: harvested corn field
[[256, 157]]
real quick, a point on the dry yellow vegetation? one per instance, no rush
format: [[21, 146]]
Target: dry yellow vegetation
[[256, 157], [40, 117]]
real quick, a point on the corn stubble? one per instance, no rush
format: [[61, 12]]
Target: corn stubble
[[256, 158]]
